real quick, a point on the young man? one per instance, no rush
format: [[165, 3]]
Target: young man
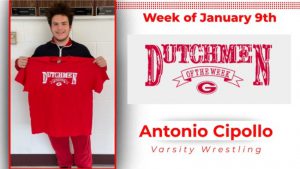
[[60, 20]]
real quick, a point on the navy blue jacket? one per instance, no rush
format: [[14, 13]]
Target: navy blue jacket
[[72, 48]]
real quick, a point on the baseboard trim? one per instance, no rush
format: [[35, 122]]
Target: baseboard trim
[[50, 159]]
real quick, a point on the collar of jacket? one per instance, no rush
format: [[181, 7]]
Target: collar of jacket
[[68, 44]]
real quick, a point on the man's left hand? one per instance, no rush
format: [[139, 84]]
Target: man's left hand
[[100, 61]]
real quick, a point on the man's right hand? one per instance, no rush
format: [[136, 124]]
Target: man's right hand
[[22, 62]]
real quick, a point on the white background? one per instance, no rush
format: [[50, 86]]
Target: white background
[[3, 85], [226, 93], [281, 151]]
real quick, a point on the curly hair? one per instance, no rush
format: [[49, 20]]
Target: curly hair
[[60, 8]]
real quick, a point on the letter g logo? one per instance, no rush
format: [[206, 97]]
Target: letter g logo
[[207, 87]]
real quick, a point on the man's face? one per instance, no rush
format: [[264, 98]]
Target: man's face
[[60, 27]]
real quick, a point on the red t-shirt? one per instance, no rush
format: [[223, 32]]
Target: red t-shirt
[[60, 94]]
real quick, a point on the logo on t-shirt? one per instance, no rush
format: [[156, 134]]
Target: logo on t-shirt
[[59, 78]]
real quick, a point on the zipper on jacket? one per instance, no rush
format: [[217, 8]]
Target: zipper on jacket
[[60, 50]]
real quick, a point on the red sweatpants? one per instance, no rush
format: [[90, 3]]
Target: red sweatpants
[[82, 151]]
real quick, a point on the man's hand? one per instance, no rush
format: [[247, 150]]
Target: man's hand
[[100, 61], [22, 62]]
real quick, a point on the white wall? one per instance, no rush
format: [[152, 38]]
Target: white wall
[[3, 84], [97, 33]]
